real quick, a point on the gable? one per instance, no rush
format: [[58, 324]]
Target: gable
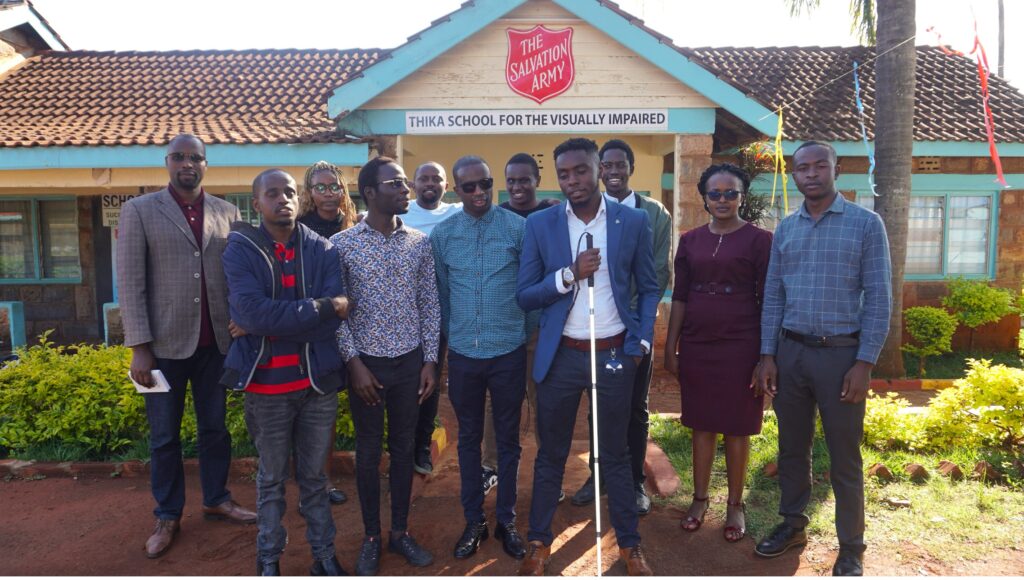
[[471, 75]]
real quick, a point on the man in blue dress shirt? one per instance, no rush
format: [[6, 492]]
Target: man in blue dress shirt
[[476, 254], [825, 318]]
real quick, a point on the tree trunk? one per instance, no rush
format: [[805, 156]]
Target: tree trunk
[[894, 142]]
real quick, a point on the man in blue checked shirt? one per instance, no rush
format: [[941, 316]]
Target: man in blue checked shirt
[[825, 318], [476, 255]]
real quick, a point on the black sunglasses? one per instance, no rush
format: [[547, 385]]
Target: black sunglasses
[[179, 157], [729, 195], [322, 188], [470, 186]]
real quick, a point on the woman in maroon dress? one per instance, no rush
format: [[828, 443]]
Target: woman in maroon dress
[[714, 338]]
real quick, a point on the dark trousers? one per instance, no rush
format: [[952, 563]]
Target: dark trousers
[[400, 377], [299, 424], [164, 411], [639, 421], [469, 381], [811, 378], [428, 410], [558, 399]]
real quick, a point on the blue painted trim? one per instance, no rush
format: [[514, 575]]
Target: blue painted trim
[[16, 322], [668, 181], [936, 182], [674, 63], [260, 155], [922, 148], [107, 307], [15, 17], [392, 122], [409, 57]]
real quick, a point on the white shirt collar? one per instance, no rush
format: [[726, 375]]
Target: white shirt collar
[[629, 201], [601, 210]]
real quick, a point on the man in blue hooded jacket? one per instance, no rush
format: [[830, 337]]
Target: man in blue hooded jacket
[[286, 300]]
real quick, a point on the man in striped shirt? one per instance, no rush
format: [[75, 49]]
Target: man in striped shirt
[[826, 311], [287, 301]]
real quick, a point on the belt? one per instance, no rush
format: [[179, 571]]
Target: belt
[[602, 343], [851, 339], [720, 288]]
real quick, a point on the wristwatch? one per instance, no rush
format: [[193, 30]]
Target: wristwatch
[[567, 277]]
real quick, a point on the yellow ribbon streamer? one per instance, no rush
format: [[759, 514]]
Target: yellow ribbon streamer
[[780, 169]]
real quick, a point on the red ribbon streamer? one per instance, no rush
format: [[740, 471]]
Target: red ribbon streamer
[[978, 50]]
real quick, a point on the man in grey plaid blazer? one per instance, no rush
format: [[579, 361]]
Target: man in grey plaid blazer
[[174, 307]]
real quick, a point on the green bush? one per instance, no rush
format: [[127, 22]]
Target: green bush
[[986, 407], [932, 331], [887, 425], [77, 403], [975, 303]]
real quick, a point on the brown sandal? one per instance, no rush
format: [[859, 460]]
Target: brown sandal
[[742, 531], [692, 524]]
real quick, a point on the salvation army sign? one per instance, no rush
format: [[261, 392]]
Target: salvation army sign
[[540, 63]]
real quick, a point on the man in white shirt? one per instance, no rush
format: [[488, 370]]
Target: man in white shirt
[[427, 210], [553, 276]]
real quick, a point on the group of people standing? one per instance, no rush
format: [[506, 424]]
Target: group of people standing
[[318, 298]]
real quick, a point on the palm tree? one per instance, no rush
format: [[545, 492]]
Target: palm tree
[[891, 23]]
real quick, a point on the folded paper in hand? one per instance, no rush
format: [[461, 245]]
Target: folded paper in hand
[[160, 384]]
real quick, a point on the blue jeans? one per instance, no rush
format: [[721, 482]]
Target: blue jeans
[[299, 423], [164, 412], [469, 381], [558, 399]]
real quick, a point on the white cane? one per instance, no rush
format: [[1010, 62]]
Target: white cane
[[593, 412]]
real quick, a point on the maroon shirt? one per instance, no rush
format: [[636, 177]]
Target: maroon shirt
[[193, 211]]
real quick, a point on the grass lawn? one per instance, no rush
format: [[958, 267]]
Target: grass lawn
[[953, 365], [950, 521]]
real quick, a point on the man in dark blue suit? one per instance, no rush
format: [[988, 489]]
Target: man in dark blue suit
[[553, 276]]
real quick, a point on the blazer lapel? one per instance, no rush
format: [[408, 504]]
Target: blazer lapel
[[614, 225], [211, 217], [172, 211], [562, 239]]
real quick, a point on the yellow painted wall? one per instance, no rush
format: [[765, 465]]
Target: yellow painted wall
[[218, 180], [472, 75], [497, 149]]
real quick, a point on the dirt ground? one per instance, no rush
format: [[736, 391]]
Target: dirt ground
[[97, 526]]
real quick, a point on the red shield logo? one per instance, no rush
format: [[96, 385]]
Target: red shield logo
[[540, 63]]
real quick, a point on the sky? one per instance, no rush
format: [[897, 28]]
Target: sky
[[240, 24]]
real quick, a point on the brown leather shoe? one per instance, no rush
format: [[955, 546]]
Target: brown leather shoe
[[230, 511], [537, 555], [162, 538], [636, 561]]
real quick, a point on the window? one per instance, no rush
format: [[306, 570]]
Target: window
[[243, 201], [39, 240], [947, 235]]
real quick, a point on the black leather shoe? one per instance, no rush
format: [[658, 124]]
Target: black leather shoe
[[336, 496], [781, 538], [267, 568], [848, 564], [585, 494], [414, 554], [330, 567], [469, 543], [643, 502], [511, 541], [369, 557], [422, 463]]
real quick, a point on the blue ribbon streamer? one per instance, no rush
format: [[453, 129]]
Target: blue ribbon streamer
[[864, 130]]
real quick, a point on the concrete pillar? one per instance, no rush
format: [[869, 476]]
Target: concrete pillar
[[692, 157]]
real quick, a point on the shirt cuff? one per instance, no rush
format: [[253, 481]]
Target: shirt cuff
[[646, 345], [769, 347], [558, 283]]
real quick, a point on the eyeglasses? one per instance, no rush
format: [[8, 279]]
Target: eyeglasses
[[396, 182], [729, 195], [179, 157], [470, 186], [322, 188]]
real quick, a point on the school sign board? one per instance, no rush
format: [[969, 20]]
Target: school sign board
[[536, 121]]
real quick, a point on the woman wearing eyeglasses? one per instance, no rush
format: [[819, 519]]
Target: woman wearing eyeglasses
[[327, 209], [714, 336], [324, 202]]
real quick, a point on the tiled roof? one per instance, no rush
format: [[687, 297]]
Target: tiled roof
[[140, 98], [947, 102]]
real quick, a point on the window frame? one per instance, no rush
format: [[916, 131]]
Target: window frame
[[37, 249]]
